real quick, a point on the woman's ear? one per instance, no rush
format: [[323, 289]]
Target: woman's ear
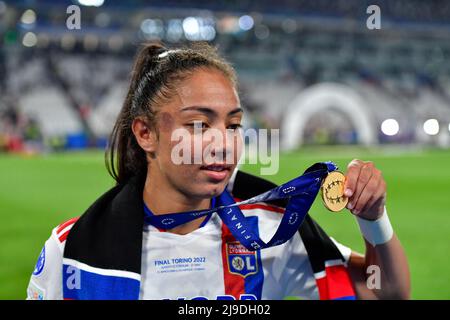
[[145, 136]]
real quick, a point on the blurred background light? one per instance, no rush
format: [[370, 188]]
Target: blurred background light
[[68, 41], [390, 127], [152, 29], [3, 7], [289, 25], [191, 27], [91, 3], [28, 17], [90, 42], [29, 39], [174, 30], [262, 32], [431, 127], [246, 22], [199, 29]]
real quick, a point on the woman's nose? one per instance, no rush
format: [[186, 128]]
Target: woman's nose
[[222, 143]]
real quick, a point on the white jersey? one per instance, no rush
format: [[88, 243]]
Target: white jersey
[[204, 264]]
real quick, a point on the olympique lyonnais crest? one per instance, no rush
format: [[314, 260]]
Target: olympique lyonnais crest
[[241, 261]]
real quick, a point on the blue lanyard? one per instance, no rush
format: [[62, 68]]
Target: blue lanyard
[[300, 193], [149, 216]]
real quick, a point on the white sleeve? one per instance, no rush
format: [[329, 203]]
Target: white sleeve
[[46, 280]]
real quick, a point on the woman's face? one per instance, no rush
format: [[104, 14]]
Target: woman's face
[[199, 127]]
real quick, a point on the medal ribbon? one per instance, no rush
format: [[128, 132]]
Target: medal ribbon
[[300, 193]]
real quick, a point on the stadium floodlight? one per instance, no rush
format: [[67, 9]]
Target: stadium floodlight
[[390, 127], [153, 28], [28, 17], [174, 30], [91, 3], [199, 28], [191, 27], [246, 22], [431, 127], [208, 33], [29, 39]]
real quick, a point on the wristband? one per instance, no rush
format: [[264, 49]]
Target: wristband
[[378, 231]]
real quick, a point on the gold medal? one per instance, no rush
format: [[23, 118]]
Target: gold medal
[[333, 191]]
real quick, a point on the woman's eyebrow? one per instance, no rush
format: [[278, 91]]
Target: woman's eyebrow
[[209, 111], [237, 110]]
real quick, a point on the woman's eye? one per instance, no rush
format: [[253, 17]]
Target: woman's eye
[[198, 125], [236, 126]]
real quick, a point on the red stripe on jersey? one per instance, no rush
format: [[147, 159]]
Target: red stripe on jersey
[[65, 224], [63, 237], [68, 223], [322, 286], [234, 284], [335, 284]]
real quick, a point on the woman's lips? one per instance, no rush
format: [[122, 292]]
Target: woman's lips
[[216, 172]]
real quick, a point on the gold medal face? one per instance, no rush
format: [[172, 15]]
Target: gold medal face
[[333, 191]]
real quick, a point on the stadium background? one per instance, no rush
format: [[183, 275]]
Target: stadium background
[[336, 89]]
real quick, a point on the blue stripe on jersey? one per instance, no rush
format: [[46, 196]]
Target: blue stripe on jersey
[[79, 284], [346, 298], [254, 282]]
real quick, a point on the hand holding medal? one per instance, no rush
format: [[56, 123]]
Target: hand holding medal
[[332, 189], [362, 190], [365, 188]]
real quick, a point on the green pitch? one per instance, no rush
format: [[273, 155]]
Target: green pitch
[[37, 193]]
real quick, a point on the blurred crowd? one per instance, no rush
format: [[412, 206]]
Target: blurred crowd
[[67, 87], [19, 133]]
